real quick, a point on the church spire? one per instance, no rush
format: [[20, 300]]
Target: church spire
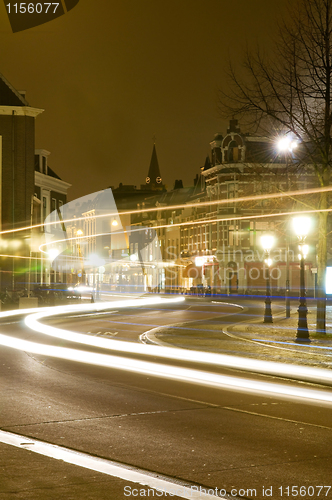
[[154, 180]]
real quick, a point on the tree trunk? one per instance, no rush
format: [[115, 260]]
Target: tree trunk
[[321, 265]]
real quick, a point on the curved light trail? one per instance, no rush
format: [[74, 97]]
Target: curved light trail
[[191, 375], [309, 374], [241, 199], [166, 371], [186, 224]]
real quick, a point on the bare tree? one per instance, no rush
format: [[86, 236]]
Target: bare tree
[[291, 91]]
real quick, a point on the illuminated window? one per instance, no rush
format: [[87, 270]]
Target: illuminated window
[[233, 152]]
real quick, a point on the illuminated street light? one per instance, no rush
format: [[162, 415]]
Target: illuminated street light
[[286, 146], [267, 242], [301, 227]]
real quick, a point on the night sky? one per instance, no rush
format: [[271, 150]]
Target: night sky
[[112, 74]]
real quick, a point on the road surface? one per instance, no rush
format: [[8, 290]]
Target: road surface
[[195, 436]]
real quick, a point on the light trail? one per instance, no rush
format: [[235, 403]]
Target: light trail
[[180, 206], [189, 223], [112, 468], [308, 374], [20, 257], [165, 371], [187, 375], [294, 344]]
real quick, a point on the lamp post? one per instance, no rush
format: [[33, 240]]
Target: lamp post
[[286, 146], [301, 227], [287, 291], [267, 242]]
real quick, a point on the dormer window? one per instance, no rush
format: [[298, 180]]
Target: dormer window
[[41, 160], [233, 153], [232, 146], [44, 165]]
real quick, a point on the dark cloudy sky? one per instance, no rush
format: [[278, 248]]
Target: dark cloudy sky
[[111, 74]]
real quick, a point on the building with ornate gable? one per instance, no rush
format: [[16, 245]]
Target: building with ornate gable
[[216, 243], [244, 165]]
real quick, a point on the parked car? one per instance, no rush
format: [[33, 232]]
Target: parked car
[[80, 291]]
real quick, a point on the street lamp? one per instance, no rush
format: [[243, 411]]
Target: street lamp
[[301, 227], [267, 242], [286, 146]]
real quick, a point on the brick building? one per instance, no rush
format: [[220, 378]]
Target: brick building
[[245, 165], [216, 242], [30, 190], [17, 135]]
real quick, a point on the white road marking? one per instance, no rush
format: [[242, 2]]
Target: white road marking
[[126, 473], [273, 417]]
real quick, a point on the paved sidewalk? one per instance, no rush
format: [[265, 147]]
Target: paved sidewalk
[[274, 342]]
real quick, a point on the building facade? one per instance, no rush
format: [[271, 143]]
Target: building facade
[[50, 195], [246, 190], [29, 192]]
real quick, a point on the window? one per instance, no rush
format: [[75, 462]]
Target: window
[[44, 207], [37, 166], [233, 153], [232, 188], [44, 213], [231, 236]]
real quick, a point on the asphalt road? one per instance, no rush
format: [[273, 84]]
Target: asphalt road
[[248, 444]]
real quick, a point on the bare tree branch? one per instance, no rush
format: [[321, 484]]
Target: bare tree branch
[[291, 91]]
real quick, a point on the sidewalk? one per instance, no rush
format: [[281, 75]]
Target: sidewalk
[[272, 342]]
